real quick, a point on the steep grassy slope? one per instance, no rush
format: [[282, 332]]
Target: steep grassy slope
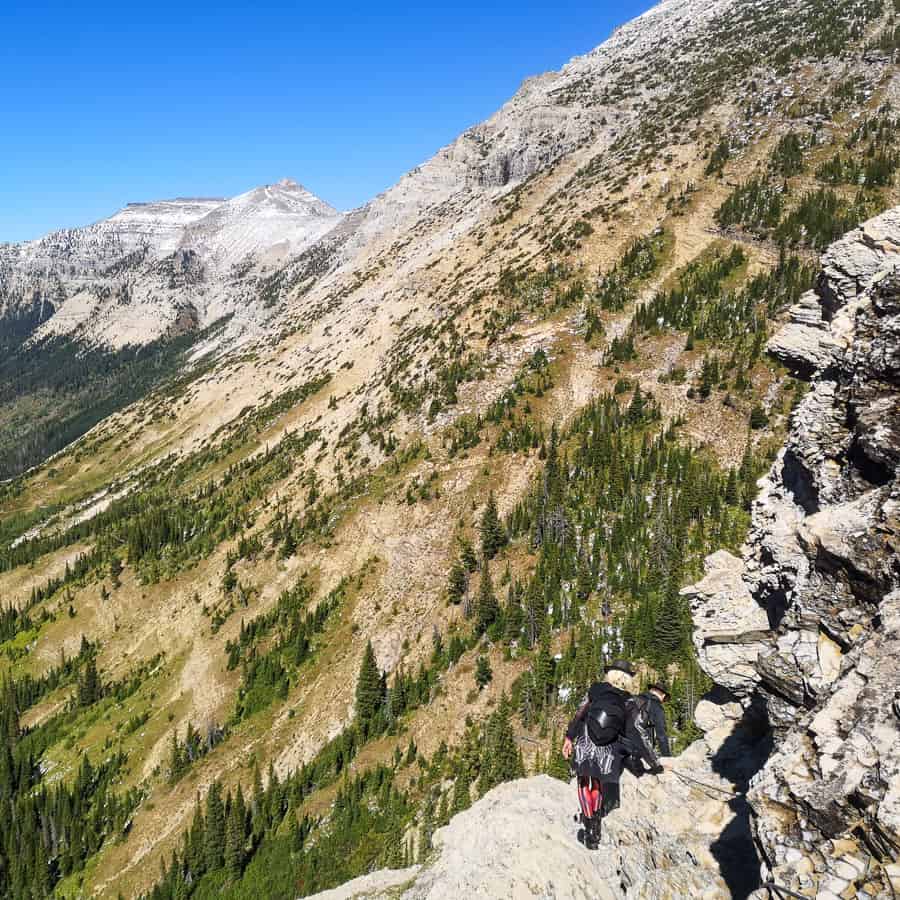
[[575, 331]]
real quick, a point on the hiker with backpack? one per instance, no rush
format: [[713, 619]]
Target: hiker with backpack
[[605, 732], [653, 717]]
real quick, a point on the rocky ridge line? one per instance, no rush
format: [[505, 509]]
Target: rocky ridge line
[[805, 629]]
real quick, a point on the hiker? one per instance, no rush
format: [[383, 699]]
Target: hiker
[[603, 734], [654, 717]]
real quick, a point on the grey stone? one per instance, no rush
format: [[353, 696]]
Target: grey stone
[[519, 841], [823, 560]]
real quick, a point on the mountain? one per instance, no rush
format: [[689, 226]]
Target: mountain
[[92, 319], [317, 526], [154, 268], [278, 218]]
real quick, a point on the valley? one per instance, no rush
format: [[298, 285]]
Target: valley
[[316, 526]]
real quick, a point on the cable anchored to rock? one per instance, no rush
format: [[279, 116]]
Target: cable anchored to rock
[[709, 787]]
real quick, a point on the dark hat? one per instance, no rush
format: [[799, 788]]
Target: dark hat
[[662, 689], [622, 665]]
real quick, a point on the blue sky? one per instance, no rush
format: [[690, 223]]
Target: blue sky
[[107, 103]]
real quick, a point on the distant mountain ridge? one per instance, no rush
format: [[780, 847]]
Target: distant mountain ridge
[[127, 279]]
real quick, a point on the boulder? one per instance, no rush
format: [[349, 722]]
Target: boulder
[[730, 629], [805, 344]]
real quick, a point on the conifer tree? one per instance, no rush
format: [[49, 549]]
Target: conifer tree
[[542, 672], [462, 795], [458, 583], [443, 816], [89, 683], [557, 766], [493, 535], [483, 673], [487, 609], [668, 636], [467, 555], [535, 611], [635, 413], [214, 838], [176, 760], [234, 843], [513, 616], [368, 690], [501, 760], [584, 584]]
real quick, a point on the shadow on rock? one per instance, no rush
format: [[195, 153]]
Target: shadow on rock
[[741, 755]]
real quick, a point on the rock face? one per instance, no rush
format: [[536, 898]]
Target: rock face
[[821, 572], [519, 841], [730, 629]]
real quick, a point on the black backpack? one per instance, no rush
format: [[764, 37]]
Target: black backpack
[[606, 717], [643, 720]]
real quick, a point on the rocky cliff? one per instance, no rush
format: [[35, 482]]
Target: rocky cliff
[[805, 630]]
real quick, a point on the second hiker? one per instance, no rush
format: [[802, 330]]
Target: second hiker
[[654, 717], [606, 730]]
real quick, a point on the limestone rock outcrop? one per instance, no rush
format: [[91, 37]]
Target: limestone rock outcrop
[[821, 568], [730, 629], [673, 837]]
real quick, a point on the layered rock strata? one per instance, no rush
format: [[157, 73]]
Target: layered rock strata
[[805, 630]]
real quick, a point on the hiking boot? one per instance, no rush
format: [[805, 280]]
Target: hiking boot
[[592, 833]]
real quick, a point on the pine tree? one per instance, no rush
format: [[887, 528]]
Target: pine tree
[[195, 856], [635, 413], [513, 616], [462, 792], [542, 672], [584, 581], [443, 816], [176, 759], [89, 689], [368, 690], [501, 760], [493, 535], [487, 609], [234, 843], [668, 635], [732, 494], [458, 583], [535, 611], [240, 813], [467, 555], [557, 765], [483, 673], [758, 417], [214, 829]]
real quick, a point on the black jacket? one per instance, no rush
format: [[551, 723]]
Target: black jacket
[[633, 743], [657, 718]]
